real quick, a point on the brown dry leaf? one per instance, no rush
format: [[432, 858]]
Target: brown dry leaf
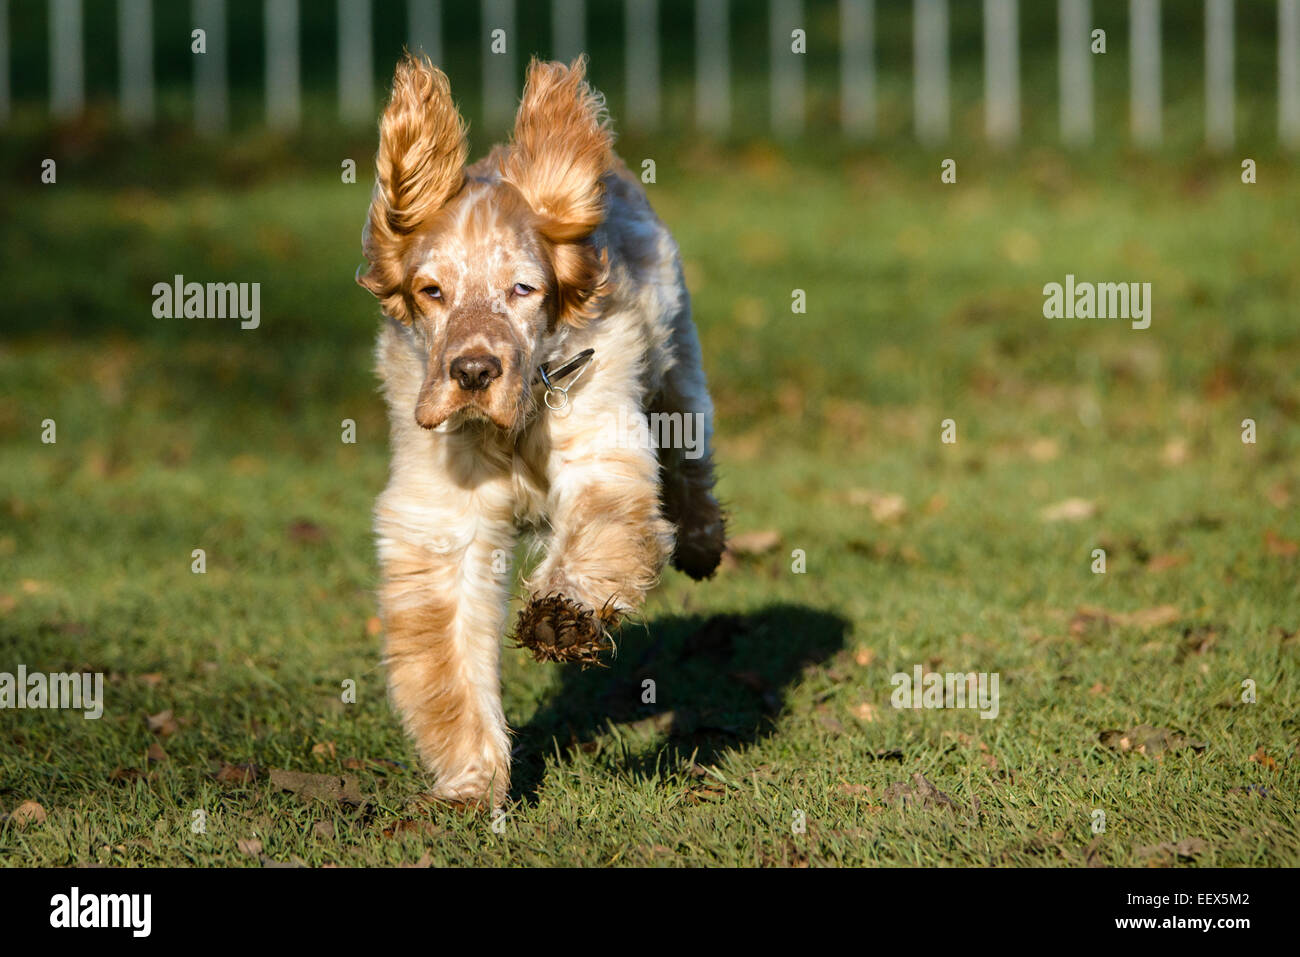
[[374, 626], [120, 775], [152, 680], [1044, 449], [156, 753], [306, 532], [1160, 563], [162, 724], [324, 750], [325, 787], [1097, 689], [1175, 452], [1280, 547], [754, 543], [250, 846], [885, 507], [1145, 739], [919, 794], [1188, 848], [1070, 510], [1279, 495], [1262, 758], [323, 829], [237, 773], [29, 812], [867, 712], [935, 504], [1087, 616], [864, 655]]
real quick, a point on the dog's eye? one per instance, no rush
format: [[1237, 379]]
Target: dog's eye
[[433, 292], [522, 290]]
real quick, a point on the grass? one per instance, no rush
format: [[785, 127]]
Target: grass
[[773, 688]]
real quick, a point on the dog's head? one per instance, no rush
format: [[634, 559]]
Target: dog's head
[[483, 265]]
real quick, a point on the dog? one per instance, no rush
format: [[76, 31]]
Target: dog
[[535, 319]]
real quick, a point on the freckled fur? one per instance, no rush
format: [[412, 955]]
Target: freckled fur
[[556, 210]]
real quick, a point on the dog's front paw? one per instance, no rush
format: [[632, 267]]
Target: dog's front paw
[[557, 629]]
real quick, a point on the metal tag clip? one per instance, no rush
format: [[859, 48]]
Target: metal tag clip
[[557, 397]]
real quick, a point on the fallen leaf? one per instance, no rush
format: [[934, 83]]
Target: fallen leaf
[[1188, 848], [237, 773], [156, 754], [866, 712], [885, 507], [864, 656], [752, 544], [325, 787], [919, 794], [1160, 563], [1261, 758], [374, 626], [1044, 449], [306, 532], [250, 846], [1147, 740], [152, 680], [1087, 616], [120, 775], [324, 750], [1280, 547], [323, 829], [1175, 452], [1070, 510], [162, 724], [29, 812]]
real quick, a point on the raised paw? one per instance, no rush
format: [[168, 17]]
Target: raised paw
[[557, 629]]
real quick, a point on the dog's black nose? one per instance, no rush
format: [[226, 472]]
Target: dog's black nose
[[475, 373]]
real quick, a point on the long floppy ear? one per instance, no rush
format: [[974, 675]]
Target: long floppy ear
[[420, 165], [562, 146]]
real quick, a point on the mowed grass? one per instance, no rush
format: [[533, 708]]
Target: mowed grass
[[924, 303]]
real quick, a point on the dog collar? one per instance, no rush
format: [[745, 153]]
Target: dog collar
[[557, 397]]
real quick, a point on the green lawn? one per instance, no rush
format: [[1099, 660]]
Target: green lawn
[[773, 688]]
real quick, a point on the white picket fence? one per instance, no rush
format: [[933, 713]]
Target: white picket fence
[[787, 56]]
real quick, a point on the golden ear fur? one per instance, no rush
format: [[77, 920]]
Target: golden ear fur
[[562, 146], [419, 166]]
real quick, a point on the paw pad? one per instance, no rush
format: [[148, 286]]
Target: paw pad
[[557, 629]]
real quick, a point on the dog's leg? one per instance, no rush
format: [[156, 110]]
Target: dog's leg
[[444, 560], [688, 465], [608, 544]]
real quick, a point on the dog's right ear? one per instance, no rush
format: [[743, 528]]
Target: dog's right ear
[[420, 165]]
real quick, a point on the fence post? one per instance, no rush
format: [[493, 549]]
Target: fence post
[[1144, 71], [568, 29], [4, 62], [211, 103], [787, 67], [499, 41], [135, 60], [356, 69], [641, 21], [1075, 18], [930, 55], [1001, 71], [1288, 72], [857, 68], [424, 28], [283, 93], [67, 70], [1219, 119], [712, 66]]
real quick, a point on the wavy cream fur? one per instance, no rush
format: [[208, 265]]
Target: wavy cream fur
[[558, 212]]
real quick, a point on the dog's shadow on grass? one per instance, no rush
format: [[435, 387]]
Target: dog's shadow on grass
[[709, 683]]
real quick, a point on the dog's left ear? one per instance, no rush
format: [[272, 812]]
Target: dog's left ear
[[562, 146]]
